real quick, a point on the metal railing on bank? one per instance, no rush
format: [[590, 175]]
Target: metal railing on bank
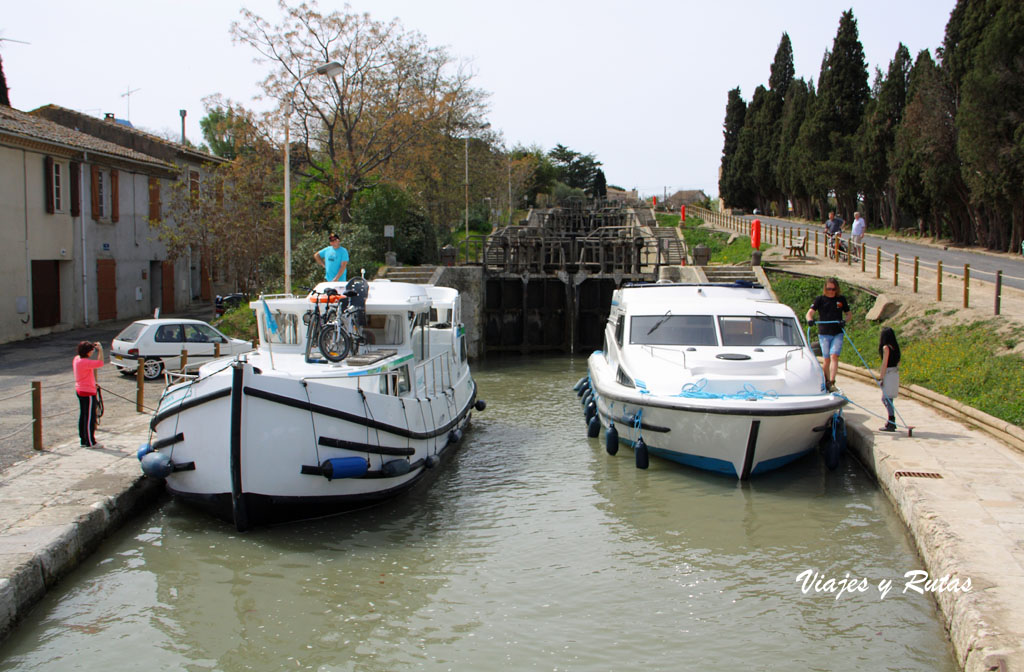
[[883, 262]]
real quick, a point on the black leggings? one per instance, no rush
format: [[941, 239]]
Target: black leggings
[[87, 419]]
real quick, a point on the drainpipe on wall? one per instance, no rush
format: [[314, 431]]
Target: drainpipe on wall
[[28, 255], [81, 217]]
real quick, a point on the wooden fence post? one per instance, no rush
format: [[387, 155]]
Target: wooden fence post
[[967, 284], [184, 359], [896, 270], [999, 288], [917, 268], [863, 255], [878, 263], [37, 415], [139, 387], [938, 282]]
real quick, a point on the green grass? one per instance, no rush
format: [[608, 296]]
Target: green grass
[[963, 362], [722, 252], [239, 322]]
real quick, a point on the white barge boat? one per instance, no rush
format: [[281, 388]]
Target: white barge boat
[[714, 376], [282, 433]]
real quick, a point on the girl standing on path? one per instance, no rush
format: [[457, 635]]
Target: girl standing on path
[[85, 367], [889, 374]]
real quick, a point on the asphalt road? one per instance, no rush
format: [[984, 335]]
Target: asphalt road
[[47, 359], [983, 264]]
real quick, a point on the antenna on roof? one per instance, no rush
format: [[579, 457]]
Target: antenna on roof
[[8, 39], [128, 94]]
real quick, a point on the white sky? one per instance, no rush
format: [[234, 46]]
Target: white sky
[[642, 85]]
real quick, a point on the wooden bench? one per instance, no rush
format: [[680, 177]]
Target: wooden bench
[[797, 247]]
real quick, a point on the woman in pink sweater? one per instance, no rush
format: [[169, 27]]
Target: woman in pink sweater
[[85, 367]]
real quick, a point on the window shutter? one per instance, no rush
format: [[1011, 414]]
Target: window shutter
[[154, 200], [94, 190], [114, 214], [76, 189], [48, 179]]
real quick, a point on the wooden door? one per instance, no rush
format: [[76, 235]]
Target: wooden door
[[106, 289], [45, 293]]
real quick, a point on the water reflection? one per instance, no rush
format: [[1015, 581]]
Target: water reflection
[[532, 548]]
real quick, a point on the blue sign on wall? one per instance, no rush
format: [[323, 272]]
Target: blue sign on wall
[[106, 247]]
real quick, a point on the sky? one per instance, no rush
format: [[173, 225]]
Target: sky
[[641, 85]]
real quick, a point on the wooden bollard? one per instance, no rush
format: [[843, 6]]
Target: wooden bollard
[[938, 281], [184, 359], [37, 415], [999, 288], [216, 349], [140, 387], [863, 255], [917, 268], [896, 270], [967, 284], [878, 263]]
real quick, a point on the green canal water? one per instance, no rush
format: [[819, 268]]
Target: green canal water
[[532, 549]]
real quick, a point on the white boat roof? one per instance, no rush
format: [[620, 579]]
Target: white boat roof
[[383, 296], [699, 300]]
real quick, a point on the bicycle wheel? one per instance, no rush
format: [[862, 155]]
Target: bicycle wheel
[[312, 331], [334, 342]]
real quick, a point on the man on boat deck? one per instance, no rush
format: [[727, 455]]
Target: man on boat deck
[[334, 259], [833, 313]]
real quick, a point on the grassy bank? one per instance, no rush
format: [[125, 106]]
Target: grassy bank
[[964, 362]]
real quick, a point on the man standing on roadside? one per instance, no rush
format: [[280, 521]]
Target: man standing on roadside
[[857, 233], [334, 259]]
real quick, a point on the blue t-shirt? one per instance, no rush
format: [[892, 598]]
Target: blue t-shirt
[[332, 262]]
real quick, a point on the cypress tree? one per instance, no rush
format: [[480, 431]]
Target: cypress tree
[[735, 115], [842, 96]]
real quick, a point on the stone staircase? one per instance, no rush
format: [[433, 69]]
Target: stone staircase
[[418, 275], [670, 244], [728, 274]]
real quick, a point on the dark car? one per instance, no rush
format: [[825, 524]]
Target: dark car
[[223, 304]]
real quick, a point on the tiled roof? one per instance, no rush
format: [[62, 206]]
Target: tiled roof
[[36, 128], [144, 139]]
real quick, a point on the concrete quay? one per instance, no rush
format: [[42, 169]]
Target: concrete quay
[[959, 491], [57, 506]]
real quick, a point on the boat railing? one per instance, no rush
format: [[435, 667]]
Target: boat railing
[[174, 377], [434, 375]]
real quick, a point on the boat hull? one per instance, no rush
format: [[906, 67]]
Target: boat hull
[[252, 446], [734, 437]]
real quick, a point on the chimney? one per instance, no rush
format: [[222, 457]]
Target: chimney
[[108, 116], [182, 113]]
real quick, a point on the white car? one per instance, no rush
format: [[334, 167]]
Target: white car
[[158, 343]]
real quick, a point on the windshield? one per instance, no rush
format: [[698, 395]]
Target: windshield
[[131, 332], [760, 330], [671, 329]]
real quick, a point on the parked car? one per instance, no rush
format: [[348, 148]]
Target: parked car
[[158, 343], [223, 304]]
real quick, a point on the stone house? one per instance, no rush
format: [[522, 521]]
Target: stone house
[[189, 161]]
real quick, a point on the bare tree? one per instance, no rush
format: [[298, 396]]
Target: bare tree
[[393, 91]]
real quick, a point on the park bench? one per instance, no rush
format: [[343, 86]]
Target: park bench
[[797, 247]]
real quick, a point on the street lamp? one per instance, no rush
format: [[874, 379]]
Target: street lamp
[[332, 69], [484, 127]]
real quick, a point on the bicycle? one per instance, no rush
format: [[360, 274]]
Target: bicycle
[[315, 321], [342, 335], [835, 246]]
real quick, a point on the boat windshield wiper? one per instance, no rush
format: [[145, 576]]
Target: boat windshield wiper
[[668, 314]]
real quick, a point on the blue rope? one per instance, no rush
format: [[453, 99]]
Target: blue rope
[[749, 392]]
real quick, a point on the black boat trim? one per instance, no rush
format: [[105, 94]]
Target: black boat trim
[[169, 441], [748, 458], [359, 419], [364, 447], [643, 425], [187, 404]]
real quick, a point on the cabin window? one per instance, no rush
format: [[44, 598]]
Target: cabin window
[[288, 330], [671, 329], [383, 329], [759, 330]]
